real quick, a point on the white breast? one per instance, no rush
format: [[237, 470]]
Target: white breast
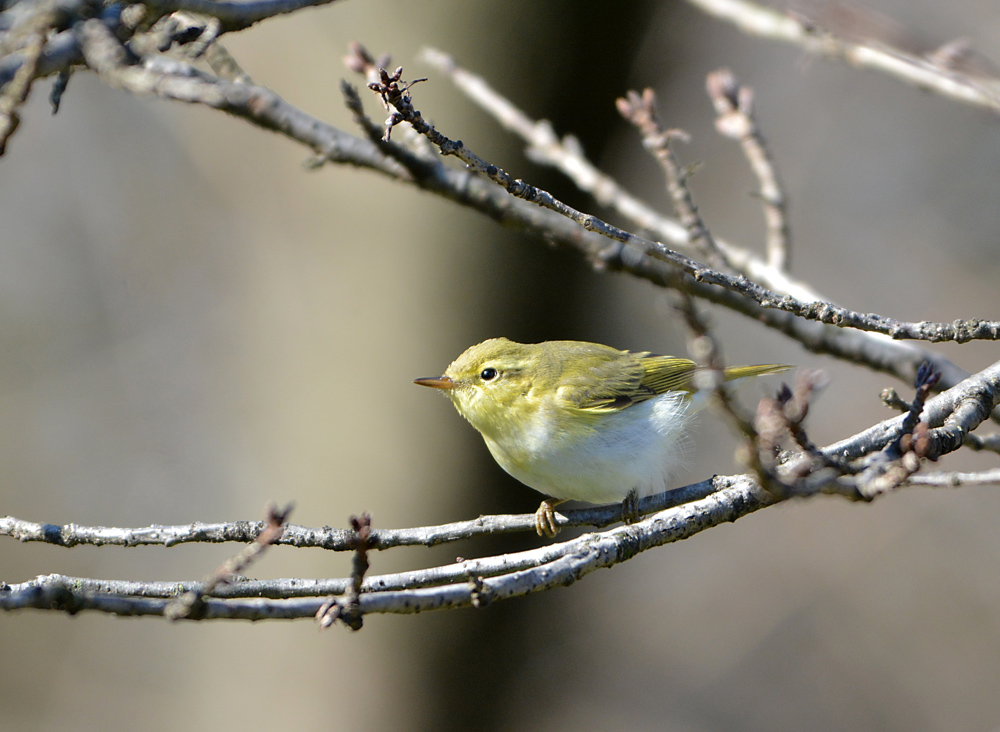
[[637, 448]]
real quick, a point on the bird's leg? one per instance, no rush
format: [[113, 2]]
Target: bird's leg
[[545, 517], [630, 507]]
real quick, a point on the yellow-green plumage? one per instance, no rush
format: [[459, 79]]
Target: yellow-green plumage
[[579, 420]]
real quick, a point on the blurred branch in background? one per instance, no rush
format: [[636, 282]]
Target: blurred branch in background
[[849, 32], [160, 48]]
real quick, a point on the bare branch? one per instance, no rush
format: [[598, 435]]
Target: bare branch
[[60, 53], [817, 471], [234, 16], [734, 107], [266, 110], [755, 452], [327, 538], [35, 27], [191, 603], [572, 560], [892, 400], [566, 155], [224, 65], [959, 409], [923, 72], [640, 110], [957, 479], [62, 50], [961, 331], [348, 610], [989, 443]]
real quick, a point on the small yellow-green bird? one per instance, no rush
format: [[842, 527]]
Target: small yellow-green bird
[[578, 421]]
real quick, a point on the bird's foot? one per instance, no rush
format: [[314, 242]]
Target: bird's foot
[[545, 518], [630, 507]]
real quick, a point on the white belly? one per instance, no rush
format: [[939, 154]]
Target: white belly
[[637, 448]]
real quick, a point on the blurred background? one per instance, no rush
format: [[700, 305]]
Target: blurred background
[[192, 324]]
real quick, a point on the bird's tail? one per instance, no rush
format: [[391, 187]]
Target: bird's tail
[[742, 372]]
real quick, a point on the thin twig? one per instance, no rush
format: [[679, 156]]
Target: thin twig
[[234, 16], [348, 610], [15, 93], [566, 155], [62, 50], [265, 109], [989, 443], [961, 408], [736, 120], [872, 475], [224, 65], [191, 603], [956, 479], [705, 350], [893, 400], [640, 110], [784, 449], [925, 73]]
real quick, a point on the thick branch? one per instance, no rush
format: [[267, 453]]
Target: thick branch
[[570, 560], [62, 50], [243, 532], [958, 411]]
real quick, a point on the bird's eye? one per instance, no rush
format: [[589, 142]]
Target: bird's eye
[[488, 374]]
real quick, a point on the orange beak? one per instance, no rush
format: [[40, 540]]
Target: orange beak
[[437, 382]]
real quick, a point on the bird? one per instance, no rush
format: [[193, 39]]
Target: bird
[[579, 421]]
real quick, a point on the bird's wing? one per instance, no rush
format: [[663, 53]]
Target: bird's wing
[[618, 382]]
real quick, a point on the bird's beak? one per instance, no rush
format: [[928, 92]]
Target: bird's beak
[[437, 382]]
